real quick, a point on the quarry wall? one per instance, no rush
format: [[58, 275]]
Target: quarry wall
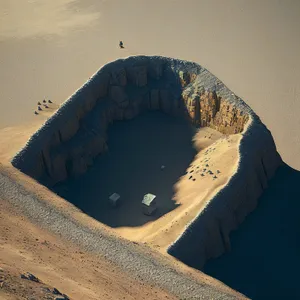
[[66, 145], [207, 236], [68, 142]]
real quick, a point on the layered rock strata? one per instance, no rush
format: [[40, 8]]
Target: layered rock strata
[[66, 145]]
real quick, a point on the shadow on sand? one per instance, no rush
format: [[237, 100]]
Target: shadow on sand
[[264, 262], [132, 167]]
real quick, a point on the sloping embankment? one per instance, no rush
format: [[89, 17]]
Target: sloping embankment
[[207, 236], [130, 258]]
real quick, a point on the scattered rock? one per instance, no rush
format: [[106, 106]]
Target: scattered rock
[[39, 108], [39, 103], [30, 276], [218, 171], [35, 112], [44, 101], [46, 289], [215, 177], [202, 174], [190, 177], [194, 179], [56, 291], [49, 101], [206, 165], [162, 167], [62, 297]]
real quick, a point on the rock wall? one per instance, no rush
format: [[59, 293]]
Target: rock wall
[[207, 236], [68, 142]]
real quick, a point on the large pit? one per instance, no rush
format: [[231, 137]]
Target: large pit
[[132, 117], [153, 153]]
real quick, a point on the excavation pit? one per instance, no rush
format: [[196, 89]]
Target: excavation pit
[[131, 166]]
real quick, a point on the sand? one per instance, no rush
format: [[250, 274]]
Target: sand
[[50, 49], [132, 260], [132, 168], [251, 46], [26, 248]]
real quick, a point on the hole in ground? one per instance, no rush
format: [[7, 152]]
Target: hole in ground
[[132, 167]]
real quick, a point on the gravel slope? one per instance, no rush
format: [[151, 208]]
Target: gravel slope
[[128, 256]]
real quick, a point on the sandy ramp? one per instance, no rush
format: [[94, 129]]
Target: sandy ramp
[[207, 174]]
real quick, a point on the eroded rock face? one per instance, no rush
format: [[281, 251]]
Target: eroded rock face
[[70, 140]]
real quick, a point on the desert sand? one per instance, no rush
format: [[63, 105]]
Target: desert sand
[[182, 188], [253, 47], [26, 248]]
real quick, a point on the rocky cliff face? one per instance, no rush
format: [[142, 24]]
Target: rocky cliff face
[[68, 142]]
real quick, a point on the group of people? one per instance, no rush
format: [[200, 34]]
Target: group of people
[[121, 45], [42, 104]]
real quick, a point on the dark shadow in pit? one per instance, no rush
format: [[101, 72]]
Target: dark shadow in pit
[[132, 167], [264, 262]]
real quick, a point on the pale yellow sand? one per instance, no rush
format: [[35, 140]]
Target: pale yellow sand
[[26, 248], [192, 191], [49, 48]]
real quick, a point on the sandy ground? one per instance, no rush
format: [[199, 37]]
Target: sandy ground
[[197, 164], [26, 248], [14, 137], [134, 260], [50, 48]]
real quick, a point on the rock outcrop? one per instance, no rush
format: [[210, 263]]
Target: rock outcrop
[[66, 145]]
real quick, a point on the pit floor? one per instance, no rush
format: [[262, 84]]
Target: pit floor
[[132, 168]]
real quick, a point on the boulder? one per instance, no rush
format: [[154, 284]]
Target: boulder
[[68, 129], [165, 102], [154, 99], [118, 77], [119, 96], [78, 166], [155, 70], [137, 75]]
